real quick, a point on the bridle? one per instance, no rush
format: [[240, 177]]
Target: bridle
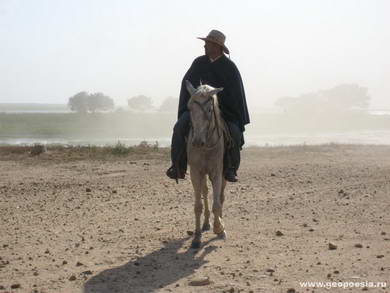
[[216, 123]]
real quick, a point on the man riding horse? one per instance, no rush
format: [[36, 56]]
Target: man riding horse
[[218, 71]]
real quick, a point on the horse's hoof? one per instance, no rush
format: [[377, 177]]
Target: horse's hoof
[[206, 227], [195, 244], [222, 235]]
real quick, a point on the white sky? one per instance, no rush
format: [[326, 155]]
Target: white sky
[[52, 49]]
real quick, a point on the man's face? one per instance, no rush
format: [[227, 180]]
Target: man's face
[[211, 49]]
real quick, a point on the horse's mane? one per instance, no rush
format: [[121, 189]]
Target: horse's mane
[[221, 122], [216, 109]]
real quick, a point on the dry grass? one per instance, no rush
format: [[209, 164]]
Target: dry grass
[[146, 150], [119, 151]]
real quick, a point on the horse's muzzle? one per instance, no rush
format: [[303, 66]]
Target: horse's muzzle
[[198, 143]]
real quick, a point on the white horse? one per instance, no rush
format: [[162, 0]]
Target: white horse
[[205, 151]]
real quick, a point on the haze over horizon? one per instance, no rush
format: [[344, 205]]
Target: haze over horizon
[[53, 49]]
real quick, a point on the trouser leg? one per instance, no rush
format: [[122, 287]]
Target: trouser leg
[[178, 145], [232, 156]]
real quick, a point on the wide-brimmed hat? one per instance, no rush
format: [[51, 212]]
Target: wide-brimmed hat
[[218, 38]]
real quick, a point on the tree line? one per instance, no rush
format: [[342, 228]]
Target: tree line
[[341, 99], [84, 102]]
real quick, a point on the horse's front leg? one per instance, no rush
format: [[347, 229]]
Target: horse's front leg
[[206, 223], [219, 228], [196, 180]]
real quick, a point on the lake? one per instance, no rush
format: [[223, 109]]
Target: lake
[[354, 137]]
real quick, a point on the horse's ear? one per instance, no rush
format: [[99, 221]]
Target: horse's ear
[[216, 91], [190, 87]]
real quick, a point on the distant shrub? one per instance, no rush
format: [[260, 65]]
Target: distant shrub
[[146, 145], [38, 149], [120, 149]]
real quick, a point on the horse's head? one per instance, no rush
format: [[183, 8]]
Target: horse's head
[[203, 106]]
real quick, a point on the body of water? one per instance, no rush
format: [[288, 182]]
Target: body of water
[[380, 137], [61, 111]]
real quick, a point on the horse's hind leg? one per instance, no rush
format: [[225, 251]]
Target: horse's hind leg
[[223, 195], [206, 223], [196, 180]]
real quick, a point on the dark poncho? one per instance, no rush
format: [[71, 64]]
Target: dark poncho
[[220, 73]]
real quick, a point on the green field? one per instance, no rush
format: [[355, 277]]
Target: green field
[[32, 107], [99, 128], [73, 125]]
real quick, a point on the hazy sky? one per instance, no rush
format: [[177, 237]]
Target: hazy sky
[[52, 49]]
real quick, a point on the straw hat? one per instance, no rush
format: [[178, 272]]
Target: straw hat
[[217, 37]]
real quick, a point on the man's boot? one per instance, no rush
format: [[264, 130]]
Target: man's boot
[[229, 172], [174, 173], [179, 165], [230, 175], [178, 148]]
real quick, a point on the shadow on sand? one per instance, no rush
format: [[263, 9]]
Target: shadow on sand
[[151, 272]]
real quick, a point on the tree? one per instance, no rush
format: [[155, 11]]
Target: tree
[[170, 104], [79, 102], [99, 102], [348, 96], [339, 99], [140, 103], [84, 102]]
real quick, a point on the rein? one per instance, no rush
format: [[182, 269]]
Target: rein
[[216, 124]]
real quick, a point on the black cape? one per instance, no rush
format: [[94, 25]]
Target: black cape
[[220, 73]]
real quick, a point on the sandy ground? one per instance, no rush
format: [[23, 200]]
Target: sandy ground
[[120, 225]]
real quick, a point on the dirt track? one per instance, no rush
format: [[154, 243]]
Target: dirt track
[[120, 225]]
